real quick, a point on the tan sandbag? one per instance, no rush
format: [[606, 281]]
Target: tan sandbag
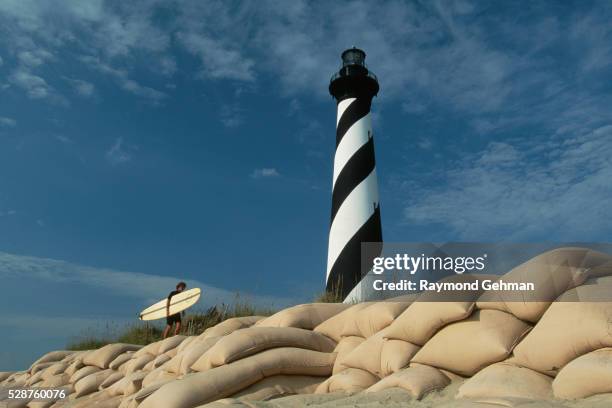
[[157, 362], [52, 357], [585, 376], [552, 273], [74, 366], [334, 326], [245, 342], [507, 380], [230, 325], [34, 378], [306, 316], [279, 386], [220, 382], [171, 353], [128, 385], [465, 347], [147, 390], [123, 358], [186, 343], [421, 320], [192, 354], [170, 343], [136, 364], [90, 383], [151, 348], [83, 372], [56, 381], [56, 368], [567, 330], [381, 356], [349, 380], [5, 374], [418, 381], [40, 366], [110, 380], [373, 318], [343, 350], [159, 374], [103, 356]]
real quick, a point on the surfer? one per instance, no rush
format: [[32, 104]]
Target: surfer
[[175, 318]]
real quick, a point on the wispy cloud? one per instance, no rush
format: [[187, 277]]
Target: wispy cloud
[[117, 154], [81, 87], [265, 172], [555, 190], [135, 285], [7, 122]]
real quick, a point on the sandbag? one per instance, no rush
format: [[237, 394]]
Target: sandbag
[[552, 273], [136, 364], [157, 362], [279, 386], [83, 372], [90, 383], [381, 356], [110, 380], [349, 380], [56, 381], [583, 327], [52, 356], [103, 356], [190, 355], [465, 347], [74, 366], [185, 343], [40, 366], [56, 368], [149, 389], [507, 380], [220, 382], [343, 350], [421, 320], [124, 358], [128, 385], [585, 376], [306, 316], [157, 375], [5, 374], [417, 380], [334, 326], [170, 343], [245, 342], [373, 318], [230, 325]]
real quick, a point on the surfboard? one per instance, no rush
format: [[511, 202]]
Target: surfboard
[[178, 303]]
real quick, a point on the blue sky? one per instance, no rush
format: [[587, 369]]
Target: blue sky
[[141, 142]]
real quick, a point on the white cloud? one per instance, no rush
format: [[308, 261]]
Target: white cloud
[[265, 172], [145, 287], [35, 86], [117, 154], [81, 87], [124, 81], [553, 190], [7, 122]]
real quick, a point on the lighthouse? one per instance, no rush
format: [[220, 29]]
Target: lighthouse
[[355, 212]]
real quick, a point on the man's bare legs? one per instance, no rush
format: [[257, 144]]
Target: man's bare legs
[[166, 331], [177, 328]]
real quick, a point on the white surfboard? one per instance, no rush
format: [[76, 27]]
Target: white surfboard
[[178, 303]]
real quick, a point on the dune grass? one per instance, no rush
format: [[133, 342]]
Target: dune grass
[[195, 321]]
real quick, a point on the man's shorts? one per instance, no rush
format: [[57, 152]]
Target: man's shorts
[[175, 318]]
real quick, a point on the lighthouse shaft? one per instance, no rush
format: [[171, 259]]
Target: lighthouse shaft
[[355, 214]]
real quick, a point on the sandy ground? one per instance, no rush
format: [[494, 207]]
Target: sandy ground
[[396, 397]]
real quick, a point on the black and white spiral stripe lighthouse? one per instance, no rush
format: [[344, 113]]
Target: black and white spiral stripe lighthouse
[[355, 213]]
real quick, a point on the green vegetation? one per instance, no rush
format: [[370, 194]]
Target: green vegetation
[[330, 296], [194, 323]]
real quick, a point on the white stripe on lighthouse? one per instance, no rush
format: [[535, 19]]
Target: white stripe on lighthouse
[[354, 212], [342, 105]]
